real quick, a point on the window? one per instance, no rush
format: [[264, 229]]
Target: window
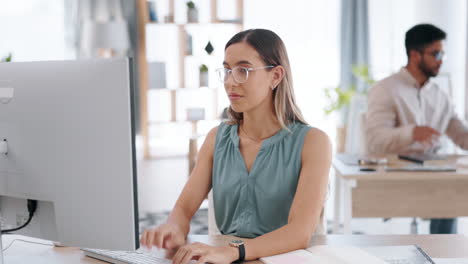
[[34, 30]]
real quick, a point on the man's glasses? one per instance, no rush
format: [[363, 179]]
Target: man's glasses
[[239, 73], [438, 55]]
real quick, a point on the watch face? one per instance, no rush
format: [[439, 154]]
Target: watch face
[[236, 243]]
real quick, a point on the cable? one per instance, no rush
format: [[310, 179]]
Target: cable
[[22, 240], [32, 206], [6, 231]]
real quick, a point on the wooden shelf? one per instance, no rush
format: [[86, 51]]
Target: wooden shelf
[[182, 30]]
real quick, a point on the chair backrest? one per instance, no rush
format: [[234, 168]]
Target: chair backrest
[[362, 134], [355, 142], [212, 226], [321, 228]]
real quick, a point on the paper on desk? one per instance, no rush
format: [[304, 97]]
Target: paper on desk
[[325, 254], [450, 260], [25, 259], [346, 254], [462, 162]]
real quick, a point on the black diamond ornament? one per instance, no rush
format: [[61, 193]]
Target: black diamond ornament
[[209, 48]]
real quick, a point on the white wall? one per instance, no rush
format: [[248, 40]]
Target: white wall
[[310, 31]]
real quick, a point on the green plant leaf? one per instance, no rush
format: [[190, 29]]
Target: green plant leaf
[[203, 68], [7, 58], [340, 97], [362, 73], [190, 4]]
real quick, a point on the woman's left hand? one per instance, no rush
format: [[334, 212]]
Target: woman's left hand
[[204, 253]]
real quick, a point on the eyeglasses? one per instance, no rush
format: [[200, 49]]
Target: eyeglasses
[[438, 55], [239, 73]]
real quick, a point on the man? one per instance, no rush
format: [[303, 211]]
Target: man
[[407, 112]]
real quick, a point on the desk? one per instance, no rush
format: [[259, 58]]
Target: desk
[[398, 194], [437, 246]]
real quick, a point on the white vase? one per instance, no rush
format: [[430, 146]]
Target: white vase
[[203, 79], [192, 15]]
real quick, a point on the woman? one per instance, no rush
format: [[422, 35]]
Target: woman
[[267, 167]]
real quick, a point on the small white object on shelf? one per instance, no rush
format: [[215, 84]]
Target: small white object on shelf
[[203, 75], [203, 79], [157, 74], [192, 12], [195, 114]]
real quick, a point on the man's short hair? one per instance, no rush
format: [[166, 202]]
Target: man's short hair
[[419, 36]]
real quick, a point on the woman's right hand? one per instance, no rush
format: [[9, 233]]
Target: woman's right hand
[[167, 236]]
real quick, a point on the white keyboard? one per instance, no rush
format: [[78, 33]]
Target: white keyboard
[[407, 261], [125, 257], [398, 261]]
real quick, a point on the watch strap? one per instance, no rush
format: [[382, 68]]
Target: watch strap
[[241, 254]]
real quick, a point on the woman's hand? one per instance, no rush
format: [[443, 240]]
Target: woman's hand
[[204, 253], [167, 236]]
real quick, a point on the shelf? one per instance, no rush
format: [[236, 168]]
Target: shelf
[[202, 30]]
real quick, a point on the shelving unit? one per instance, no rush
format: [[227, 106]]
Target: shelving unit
[[184, 83]]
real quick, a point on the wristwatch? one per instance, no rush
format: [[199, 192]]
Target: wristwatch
[[240, 245]]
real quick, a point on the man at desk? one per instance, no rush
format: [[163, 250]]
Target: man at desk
[[407, 112]]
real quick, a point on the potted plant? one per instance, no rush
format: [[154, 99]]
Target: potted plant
[[340, 98], [203, 75], [7, 58], [192, 12]]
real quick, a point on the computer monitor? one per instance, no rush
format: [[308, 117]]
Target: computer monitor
[[69, 130]]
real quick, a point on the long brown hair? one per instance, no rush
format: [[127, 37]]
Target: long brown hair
[[272, 51]]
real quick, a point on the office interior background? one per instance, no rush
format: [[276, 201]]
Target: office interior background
[[181, 106]]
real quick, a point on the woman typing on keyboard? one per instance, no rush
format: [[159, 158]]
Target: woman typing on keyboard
[[267, 168]]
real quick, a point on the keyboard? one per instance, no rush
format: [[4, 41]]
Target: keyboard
[[411, 254], [398, 261], [407, 261], [125, 257]]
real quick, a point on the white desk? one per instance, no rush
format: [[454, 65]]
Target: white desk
[[398, 194], [436, 246]]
